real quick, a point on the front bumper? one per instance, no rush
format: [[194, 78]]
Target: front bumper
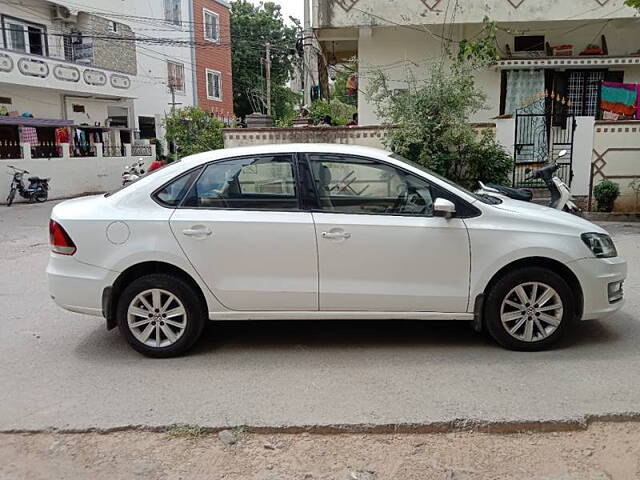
[[77, 286], [595, 276]]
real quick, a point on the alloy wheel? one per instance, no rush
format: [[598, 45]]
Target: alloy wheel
[[156, 318], [531, 311]]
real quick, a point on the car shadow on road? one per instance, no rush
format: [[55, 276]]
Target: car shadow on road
[[607, 338]]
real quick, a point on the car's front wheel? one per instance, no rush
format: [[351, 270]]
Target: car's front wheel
[[529, 309], [160, 315]]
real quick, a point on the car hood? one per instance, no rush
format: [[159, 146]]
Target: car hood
[[540, 215]]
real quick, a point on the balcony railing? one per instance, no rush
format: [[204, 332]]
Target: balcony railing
[[10, 150], [113, 151], [45, 150], [141, 150], [48, 72]]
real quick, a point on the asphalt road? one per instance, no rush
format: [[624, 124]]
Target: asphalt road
[[64, 370]]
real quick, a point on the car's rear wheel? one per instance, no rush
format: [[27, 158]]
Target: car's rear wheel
[[529, 309], [160, 315]]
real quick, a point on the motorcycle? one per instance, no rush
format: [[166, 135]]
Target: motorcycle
[[561, 198], [37, 190], [133, 172]]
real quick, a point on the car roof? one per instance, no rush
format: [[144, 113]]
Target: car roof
[[285, 148]]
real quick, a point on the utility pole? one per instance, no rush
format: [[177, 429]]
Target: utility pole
[[310, 57], [306, 44], [267, 63], [173, 104]]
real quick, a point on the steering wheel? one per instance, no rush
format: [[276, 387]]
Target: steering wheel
[[401, 200]]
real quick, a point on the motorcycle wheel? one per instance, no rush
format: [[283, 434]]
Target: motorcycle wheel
[[12, 195], [41, 196]]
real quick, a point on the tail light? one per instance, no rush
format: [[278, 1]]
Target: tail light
[[60, 240]]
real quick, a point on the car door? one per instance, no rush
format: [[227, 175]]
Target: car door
[[242, 228], [380, 248]]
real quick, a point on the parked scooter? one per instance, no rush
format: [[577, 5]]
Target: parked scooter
[[560, 193], [37, 190], [133, 172]]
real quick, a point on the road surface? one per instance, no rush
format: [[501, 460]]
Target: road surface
[[64, 370]]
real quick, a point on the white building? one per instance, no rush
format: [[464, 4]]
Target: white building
[[89, 80], [545, 47]]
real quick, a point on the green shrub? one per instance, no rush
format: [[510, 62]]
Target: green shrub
[[194, 131], [606, 193], [339, 112], [431, 126]]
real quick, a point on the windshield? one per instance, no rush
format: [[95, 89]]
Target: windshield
[[488, 199]]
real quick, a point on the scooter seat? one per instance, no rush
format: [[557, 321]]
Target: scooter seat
[[523, 194], [34, 179]]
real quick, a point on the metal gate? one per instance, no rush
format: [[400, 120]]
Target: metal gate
[[543, 129]]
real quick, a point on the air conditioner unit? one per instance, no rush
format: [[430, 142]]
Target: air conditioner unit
[[61, 13]]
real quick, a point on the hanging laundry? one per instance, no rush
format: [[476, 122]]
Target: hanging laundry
[[62, 135], [352, 85], [28, 135], [620, 99]]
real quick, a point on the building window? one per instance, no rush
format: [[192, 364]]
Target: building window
[[176, 76], [25, 36], [172, 11], [112, 27], [147, 127], [211, 25], [214, 85], [583, 88], [529, 43], [78, 108]]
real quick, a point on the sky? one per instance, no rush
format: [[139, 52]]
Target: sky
[[293, 8]]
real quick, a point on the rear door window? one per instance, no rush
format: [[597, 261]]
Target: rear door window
[[172, 193], [249, 183]]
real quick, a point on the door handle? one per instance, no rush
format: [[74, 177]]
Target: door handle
[[197, 231], [336, 235]]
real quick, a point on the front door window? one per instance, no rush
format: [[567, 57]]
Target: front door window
[[352, 185]]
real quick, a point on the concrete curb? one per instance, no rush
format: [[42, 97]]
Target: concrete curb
[[457, 425], [611, 217]]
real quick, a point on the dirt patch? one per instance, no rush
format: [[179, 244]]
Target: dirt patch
[[603, 451]]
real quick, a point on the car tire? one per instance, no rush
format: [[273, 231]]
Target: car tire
[[519, 309], [160, 315]]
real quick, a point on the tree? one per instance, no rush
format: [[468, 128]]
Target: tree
[[193, 130], [430, 120], [633, 3], [252, 27]]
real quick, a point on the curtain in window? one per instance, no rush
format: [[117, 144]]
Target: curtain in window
[[522, 85], [211, 26], [213, 85], [172, 11]]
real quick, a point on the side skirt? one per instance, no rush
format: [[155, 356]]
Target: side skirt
[[331, 315]]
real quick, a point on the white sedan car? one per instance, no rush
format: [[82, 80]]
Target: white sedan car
[[324, 232]]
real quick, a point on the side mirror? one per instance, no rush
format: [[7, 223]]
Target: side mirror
[[443, 208], [562, 153]]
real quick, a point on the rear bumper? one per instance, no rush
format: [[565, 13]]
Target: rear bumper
[[77, 286], [595, 275]]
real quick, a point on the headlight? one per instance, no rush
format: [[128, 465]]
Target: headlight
[[600, 244]]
